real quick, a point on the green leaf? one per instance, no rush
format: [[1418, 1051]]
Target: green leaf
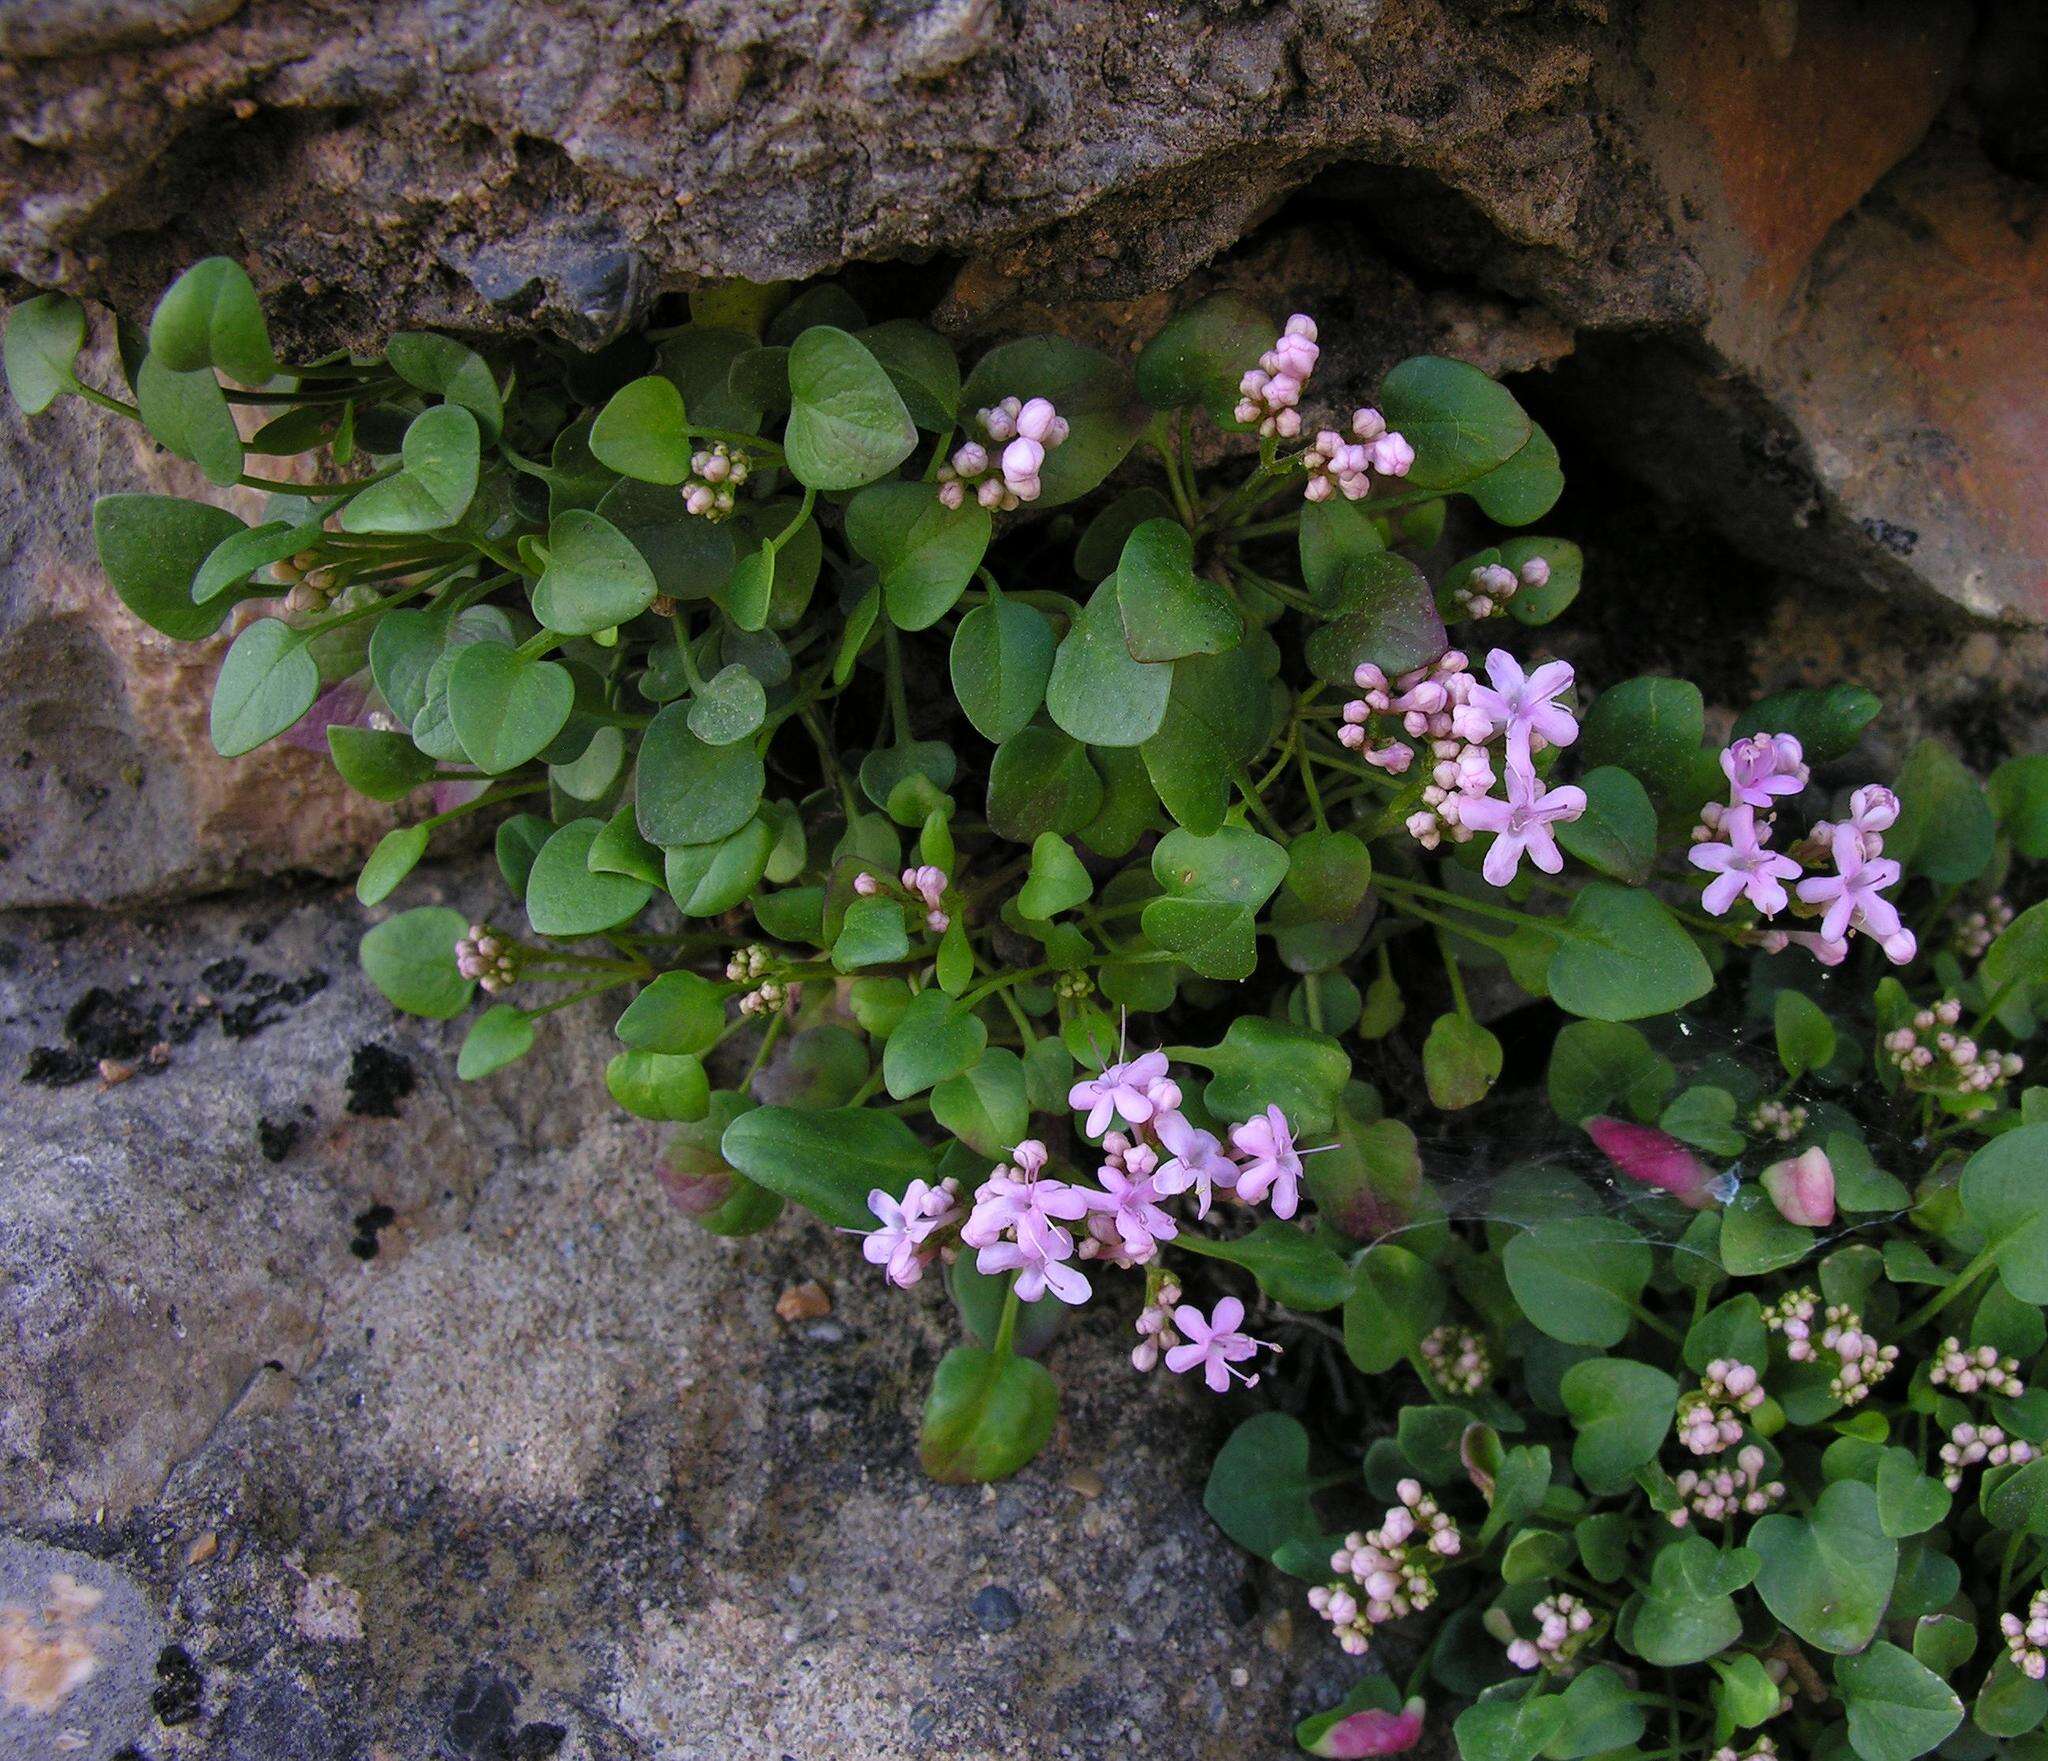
[[1688, 1613], [265, 684], [1167, 610], [1755, 1240], [1261, 1062], [380, 765], [731, 706], [410, 958], [1258, 1490], [44, 335], [1652, 728], [1806, 1037], [1827, 721], [986, 1106], [1541, 605], [1461, 423], [1002, 656], [707, 879], [988, 1415], [1097, 692], [1219, 716], [1329, 872], [518, 842], [828, 1161], [1578, 1278], [935, 1039], [595, 578], [1524, 488], [1704, 1117], [1898, 1707], [642, 432], [2016, 963], [691, 792], [2009, 1704], [871, 934], [1382, 611], [1908, 1501], [1617, 834], [501, 1035], [1396, 1298], [1041, 781], [657, 1086], [397, 854], [2019, 797], [505, 707], [1214, 887], [2004, 1192], [1828, 1576], [1596, 1064], [1293, 1268], [847, 423], [189, 413], [1623, 1412], [926, 551], [1602, 1716], [237, 556], [1624, 957], [923, 368], [448, 369], [210, 317], [1460, 1061], [1201, 354], [678, 1012], [435, 481], [1945, 830], [1510, 1729], [1057, 881], [565, 899], [152, 548]]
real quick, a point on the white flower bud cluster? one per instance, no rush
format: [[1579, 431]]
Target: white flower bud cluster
[[770, 995], [1392, 1568], [487, 957], [1004, 479], [715, 473], [312, 587], [1563, 1624], [2026, 1641], [1718, 1494], [1776, 1119], [1458, 1360], [1969, 1444], [1935, 1058], [1863, 1362], [1761, 1747], [1156, 1335], [1976, 929], [1709, 1418], [1967, 1369], [1488, 588]]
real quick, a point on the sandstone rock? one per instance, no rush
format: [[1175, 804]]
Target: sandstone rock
[[79, 1646], [110, 789], [547, 1448]]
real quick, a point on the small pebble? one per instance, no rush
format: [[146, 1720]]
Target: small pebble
[[809, 1301], [996, 1610]]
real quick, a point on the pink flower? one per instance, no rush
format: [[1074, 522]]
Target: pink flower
[[1526, 705], [1122, 1089], [1873, 808], [1852, 894], [899, 1243], [1762, 767], [1022, 459], [1039, 421], [1130, 1203], [1803, 1188], [1215, 1343], [1654, 1158], [1828, 951], [1268, 1140], [1743, 865], [1392, 456], [1015, 1227], [1521, 823], [1197, 1161], [1372, 1733]]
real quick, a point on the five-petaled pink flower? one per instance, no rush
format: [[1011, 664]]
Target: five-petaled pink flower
[[1526, 704], [1761, 767], [1197, 1161], [1127, 1090], [1132, 1205], [1215, 1342], [899, 1243], [1853, 893], [1521, 823], [1273, 1166], [1742, 864]]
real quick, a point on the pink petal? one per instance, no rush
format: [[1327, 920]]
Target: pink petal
[[1654, 1158]]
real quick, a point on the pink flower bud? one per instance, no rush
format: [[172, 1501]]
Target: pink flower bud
[[1317, 488], [1803, 1188], [1654, 1158], [952, 495], [1372, 1733], [971, 459], [1301, 325], [1021, 462], [1391, 455], [1368, 424], [1035, 419], [866, 885]]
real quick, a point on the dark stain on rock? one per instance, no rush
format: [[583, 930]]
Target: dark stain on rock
[[483, 1722], [179, 1688], [378, 1079], [368, 1223], [276, 1138]]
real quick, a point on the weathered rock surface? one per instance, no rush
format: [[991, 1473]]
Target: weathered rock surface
[[428, 1428], [110, 789], [1655, 170]]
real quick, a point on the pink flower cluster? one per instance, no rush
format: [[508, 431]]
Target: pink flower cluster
[[1733, 844], [1003, 481], [905, 1244], [924, 885], [1337, 466], [1966, 1370], [2026, 1641], [1934, 1057], [1710, 1418], [1861, 1362], [1392, 1568], [1488, 588], [1564, 1625], [1970, 1444], [1270, 393], [715, 473], [1723, 1492], [486, 957]]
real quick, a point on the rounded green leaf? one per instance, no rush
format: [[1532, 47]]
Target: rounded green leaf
[[985, 1106], [1623, 957], [691, 792], [396, 855], [935, 1039], [1258, 1490], [678, 1012], [1202, 353], [658, 1086], [1057, 881], [1460, 1061], [1041, 781], [595, 576], [847, 422], [436, 478], [1001, 659], [1623, 1412], [988, 1415], [643, 433], [1166, 609], [501, 1035], [189, 413], [1213, 887], [266, 683], [1578, 1278], [1828, 1576], [1292, 1267], [505, 707], [564, 898], [730, 707], [153, 548], [828, 1161], [926, 551], [44, 335], [1097, 692], [448, 369], [2004, 1191], [210, 317], [1617, 834], [1461, 423], [411, 959], [1382, 611]]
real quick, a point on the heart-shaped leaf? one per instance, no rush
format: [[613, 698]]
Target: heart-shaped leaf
[[1382, 611], [926, 551], [1828, 1576], [505, 707], [847, 423], [1001, 658], [643, 433], [1167, 609], [153, 548], [935, 1039], [435, 481], [595, 577], [210, 317], [266, 683], [565, 898], [1097, 692], [1214, 887], [411, 959], [730, 707], [829, 1160], [1057, 881], [43, 338]]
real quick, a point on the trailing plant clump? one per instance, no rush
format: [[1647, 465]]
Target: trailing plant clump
[[1041, 819]]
